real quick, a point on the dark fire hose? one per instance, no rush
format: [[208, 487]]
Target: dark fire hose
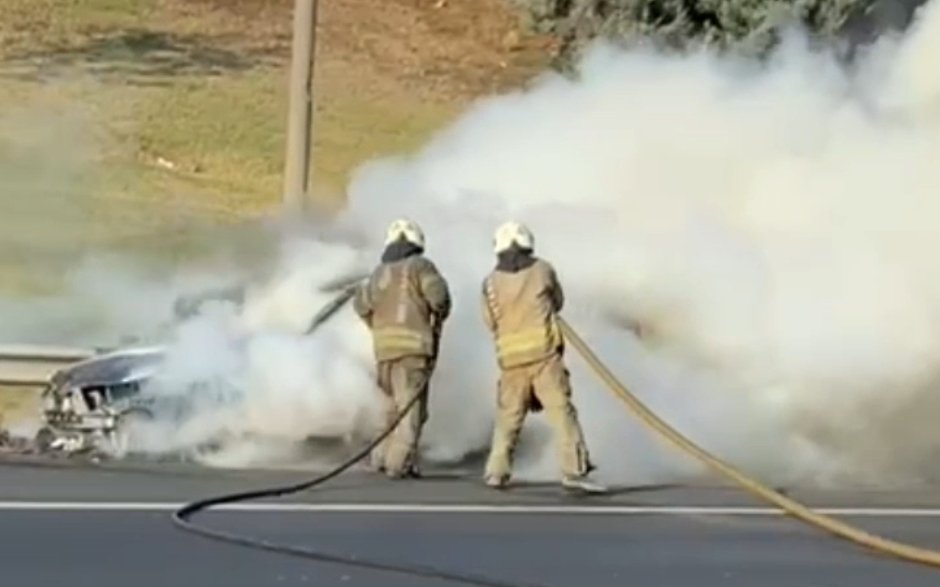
[[181, 518]]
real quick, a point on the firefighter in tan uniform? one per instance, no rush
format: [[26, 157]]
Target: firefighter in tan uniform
[[521, 298], [404, 303]]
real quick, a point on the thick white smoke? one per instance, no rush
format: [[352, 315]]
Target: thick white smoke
[[770, 227]]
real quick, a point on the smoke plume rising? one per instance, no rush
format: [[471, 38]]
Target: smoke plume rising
[[770, 228]]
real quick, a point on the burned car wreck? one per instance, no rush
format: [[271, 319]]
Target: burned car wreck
[[88, 407]]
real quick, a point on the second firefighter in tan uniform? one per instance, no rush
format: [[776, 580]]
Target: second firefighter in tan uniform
[[520, 300], [404, 303]]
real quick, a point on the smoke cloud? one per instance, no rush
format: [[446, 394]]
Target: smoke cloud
[[770, 227]]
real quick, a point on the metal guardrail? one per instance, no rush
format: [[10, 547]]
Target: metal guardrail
[[33, 365]]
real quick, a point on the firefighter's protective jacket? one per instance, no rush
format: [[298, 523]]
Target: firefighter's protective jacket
[[520, 308], [405, 303]]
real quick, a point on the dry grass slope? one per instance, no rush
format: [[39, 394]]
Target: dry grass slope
[[136, 125], [125, 123]]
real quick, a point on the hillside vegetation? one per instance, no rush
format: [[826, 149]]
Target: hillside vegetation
[[136, 124], [745, 26]]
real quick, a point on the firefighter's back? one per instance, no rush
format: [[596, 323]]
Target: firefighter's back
[[401, 319], [523, 309]]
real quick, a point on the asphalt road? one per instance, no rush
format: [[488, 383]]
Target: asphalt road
[[110, 527]]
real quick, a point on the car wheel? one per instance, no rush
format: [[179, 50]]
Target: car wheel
[[118, 442], [44, 439]]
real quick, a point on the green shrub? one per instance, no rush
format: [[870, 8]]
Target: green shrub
[[746, 26]]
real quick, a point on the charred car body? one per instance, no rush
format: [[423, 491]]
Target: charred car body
[[86, 406], [89, 406]]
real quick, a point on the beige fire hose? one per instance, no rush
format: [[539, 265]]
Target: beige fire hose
[[791, 507]]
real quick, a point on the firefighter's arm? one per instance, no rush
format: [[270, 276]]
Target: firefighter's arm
[[362, 302], [435, 290], [488, 319], [555, 290]]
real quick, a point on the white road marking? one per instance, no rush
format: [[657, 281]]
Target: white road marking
[[415, 508]]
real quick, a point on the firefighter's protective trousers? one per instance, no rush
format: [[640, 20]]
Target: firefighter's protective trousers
[[399, 380], [546, 381]]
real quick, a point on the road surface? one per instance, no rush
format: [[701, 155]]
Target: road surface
[[110, 527]]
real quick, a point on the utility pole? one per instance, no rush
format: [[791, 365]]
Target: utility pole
[[297, 168]]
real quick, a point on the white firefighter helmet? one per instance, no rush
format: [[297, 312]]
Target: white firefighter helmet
[[510, 233], [408, 229]]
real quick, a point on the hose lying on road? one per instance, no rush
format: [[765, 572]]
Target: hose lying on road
[[794, 508], [181, 519]]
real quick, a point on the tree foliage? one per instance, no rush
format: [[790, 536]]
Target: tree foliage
[[749, 26]]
